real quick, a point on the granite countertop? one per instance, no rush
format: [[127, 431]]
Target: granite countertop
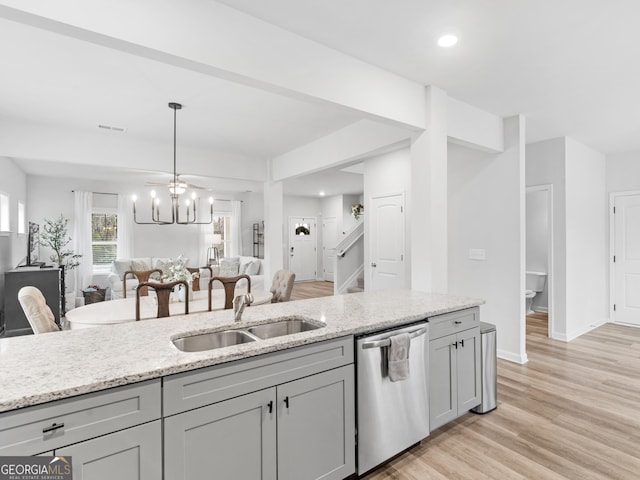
[[40, 368]]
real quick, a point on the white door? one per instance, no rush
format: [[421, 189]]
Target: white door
[[329, 242], [386, 243], [302, 247], [626, 265]]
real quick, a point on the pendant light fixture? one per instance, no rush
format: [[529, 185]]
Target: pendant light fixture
[[176, 188]]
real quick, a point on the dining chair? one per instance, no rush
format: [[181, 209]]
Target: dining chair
[[195, 282], [163, 293], [37, 311], [282, 286], [229, 284], [142, 276]]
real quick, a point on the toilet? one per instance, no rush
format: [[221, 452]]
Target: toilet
[[534, 284]]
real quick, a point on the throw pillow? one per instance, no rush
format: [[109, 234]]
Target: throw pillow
[[244, 264], [139, 265], [121, 266], [253, 267], [160, 263], [229, 267]]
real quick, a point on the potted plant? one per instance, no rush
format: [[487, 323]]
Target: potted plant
[[55, 236]]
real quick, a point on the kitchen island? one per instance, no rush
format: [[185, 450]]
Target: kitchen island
[[48, 370]]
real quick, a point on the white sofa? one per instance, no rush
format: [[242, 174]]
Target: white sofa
[[119, 266], [251, 266]]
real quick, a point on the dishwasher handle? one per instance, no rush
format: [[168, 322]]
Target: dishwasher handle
[[385, 342]]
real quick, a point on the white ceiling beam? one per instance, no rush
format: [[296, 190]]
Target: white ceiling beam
[[118, 150], [354, 142], [471, 127], [214, 39]]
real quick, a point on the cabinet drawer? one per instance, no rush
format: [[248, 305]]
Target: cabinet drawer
[[453, 322], [189, 390], [32, 430]]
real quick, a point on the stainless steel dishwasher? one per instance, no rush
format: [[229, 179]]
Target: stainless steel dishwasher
[[392, 416]]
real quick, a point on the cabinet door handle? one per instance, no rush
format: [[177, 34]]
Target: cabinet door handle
[[455, 344], [286, 401], [462, 343], [457, 322], [270, 406], [53, 427]]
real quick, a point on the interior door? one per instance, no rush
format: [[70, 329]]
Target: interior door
[[626, 265], [386, 229], [329, 242], [302, 247]]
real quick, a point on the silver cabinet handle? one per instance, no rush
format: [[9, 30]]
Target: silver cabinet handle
[[385, 342]]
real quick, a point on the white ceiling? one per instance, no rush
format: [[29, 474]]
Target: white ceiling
[[569, 66]]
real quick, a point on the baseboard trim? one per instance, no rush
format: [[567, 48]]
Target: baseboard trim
[[513, 357], [581, 331], [541, 309]]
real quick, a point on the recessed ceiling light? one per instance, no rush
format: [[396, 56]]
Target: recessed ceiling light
[[447, 40], [321, 194]]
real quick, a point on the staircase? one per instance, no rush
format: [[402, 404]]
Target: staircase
[[349, 266], [358, 288]]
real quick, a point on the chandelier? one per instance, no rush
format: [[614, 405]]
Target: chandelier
[[176, 188]]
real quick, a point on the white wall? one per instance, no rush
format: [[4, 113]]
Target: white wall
[[388, 174], [587, 231], [294, 206], [623, 172], [537, 241], [579, 277], [486, 211], [545, 165], [48, 197], [13, 247]]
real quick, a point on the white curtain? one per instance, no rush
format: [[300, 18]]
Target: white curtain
[[82, 240], [203, 233], [125, 227], [235, 246]]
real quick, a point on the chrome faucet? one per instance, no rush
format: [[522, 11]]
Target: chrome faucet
[[239, 304]]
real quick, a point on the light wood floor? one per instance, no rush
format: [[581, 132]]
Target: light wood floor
[[572, 412], [302, 290]]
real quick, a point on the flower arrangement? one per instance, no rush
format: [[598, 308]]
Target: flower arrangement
[[356, 210], [176, 269]]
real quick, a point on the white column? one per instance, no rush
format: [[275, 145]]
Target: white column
[[428, 198], [273, 230]]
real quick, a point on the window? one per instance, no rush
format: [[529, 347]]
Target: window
[[222, 226], [104, 237], [4, 213], [22, 224]]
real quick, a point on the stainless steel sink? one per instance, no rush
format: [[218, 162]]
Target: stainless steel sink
[[209, 341], [284, 327]]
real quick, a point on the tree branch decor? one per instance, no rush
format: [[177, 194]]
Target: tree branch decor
[[55, 236]]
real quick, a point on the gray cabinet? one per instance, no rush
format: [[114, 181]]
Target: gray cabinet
[[47, 280], [131, 454], [110, 434], [316, 426], [454, 362], [299, 425], [235, 439]]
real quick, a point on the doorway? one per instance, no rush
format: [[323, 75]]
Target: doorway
[[302, 247], [625, 258], [539, 249]]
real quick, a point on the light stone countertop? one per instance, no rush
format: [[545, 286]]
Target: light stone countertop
[[36, 369]]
